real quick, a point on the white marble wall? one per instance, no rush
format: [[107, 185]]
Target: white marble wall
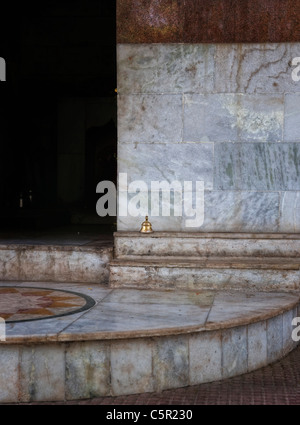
[[225, 114]]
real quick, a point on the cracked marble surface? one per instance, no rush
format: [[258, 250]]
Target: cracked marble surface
[[123, 313]]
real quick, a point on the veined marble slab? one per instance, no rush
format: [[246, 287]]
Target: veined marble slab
[[233, 117], [224, 211], [255, 68], [167, 162], [292, 117], [149, 118], [257, 166], [290, 212], [165, 68]]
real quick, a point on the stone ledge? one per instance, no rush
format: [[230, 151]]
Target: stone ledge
[[273, 263], [200, 235], [184, 244], [55, 263], [178, 278]]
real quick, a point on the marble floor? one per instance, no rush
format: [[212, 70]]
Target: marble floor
[[36, 311]]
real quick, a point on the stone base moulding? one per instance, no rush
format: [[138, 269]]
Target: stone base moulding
[[55, 263], [206, 261]]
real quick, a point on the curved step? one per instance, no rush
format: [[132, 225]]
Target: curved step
[[132, 341]]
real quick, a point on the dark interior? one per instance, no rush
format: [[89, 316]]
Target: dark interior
[[58, 135]]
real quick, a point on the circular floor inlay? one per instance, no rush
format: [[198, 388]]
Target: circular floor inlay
[[18, 304]]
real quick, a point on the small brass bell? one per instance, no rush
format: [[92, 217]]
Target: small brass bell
[[146, 226]]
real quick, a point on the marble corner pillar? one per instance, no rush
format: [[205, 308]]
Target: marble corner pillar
[[209, 91]]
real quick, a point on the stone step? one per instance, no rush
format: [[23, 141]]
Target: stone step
[[56, 263], [191, 244], [258, 273], [280, 263], [132, 341]]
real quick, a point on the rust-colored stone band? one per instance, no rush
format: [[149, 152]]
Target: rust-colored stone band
[[208, 21]]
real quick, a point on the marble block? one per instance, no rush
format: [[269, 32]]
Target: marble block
[[287, 341], [171, 362], [255, 68], [274, 338], [257, 345], [167, 162], [87, 370], [234, 352], [131, 367], [42, 373], [9, 263], [9, 374], [149, 118], [205, 355], [233, 117], [244, 211], [292, 117], [257, 166], [165, 68], [289, 219]]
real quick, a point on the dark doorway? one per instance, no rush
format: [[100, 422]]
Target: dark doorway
[[100, 159], [59, 54]]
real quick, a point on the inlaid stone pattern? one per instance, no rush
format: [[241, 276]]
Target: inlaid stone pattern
[[224, 114], [26, 304]]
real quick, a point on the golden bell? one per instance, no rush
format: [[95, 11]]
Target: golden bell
[[146, 226]]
